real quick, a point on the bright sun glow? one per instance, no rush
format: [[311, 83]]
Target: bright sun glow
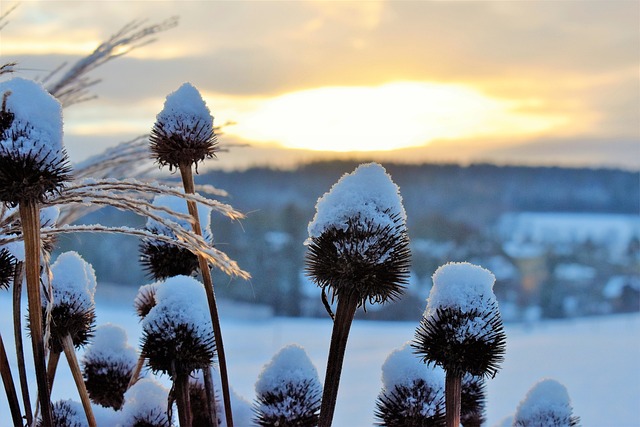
[[387, 117]]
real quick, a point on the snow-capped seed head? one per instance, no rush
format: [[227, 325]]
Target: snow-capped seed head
[[200, 401], [33, 162], [358, 242], [461, 328], [183, 132], [73, 312], [108, 364], [288, 390], [7, 268], [145, 404], [472, 401], [412, 393], [67, 413], [546, 404], [177, 331], [145, 299]]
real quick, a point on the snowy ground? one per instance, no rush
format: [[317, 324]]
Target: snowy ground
[[596, 359]]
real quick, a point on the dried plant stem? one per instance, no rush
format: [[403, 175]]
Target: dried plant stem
[[345, 312], [210, 392], [52, 367], [69, 352], [17, 333], [9, 386], [189, 188], [30, 218], [181, 388], [453, 392], [135, 375]]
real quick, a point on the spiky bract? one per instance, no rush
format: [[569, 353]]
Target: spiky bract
[[365, 259], [417, 405], [185, 143], [462, 342], [162, 260], [7, 268], [293, 404]]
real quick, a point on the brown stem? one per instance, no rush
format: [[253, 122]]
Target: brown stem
[[30, 218], [181, 388], [17, 333], [345, 311], [189, 188], [52, 366], [210, 392], [135, 375], [69, 352], [453, 392], [9, 386]]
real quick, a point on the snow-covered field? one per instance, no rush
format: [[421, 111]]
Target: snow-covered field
[[597, 359]]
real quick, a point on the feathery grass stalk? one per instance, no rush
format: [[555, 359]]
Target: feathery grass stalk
[[17, 332], [189, 188], [453, 403], [345, 311], [69, 352], [30, 218], [9, 386]]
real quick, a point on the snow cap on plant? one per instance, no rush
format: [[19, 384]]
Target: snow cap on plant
[[177, 331], [461, 328], [73, 312], [33, 161], [67, 413], [108, 363], [161, 259], [412, 392], [288, 390], [183, 133], [358, 242], [546, 404], [145, 404]]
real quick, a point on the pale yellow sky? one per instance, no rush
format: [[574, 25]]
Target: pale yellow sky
[[506, 81]]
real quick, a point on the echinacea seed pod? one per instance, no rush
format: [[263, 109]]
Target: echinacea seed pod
[[161, 259], [358, 242], [472, 401], [108, 364], [7, 268], [546, 404], [67, 413], [177, 333], [145, 299], [145, 405], [412, 394], [33, 161], [288, 390], [183, 133], [73, 312]]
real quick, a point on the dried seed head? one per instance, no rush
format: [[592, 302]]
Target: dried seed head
[[177, 332], [145, 405], [183, 133], [145, 299], [33, 162], [67, 413], [108, 364], [546, 404], [73, 312], [199, 400], [472, 401], [7, 268]]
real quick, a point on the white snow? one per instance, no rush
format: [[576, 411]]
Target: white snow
[[290, 365], [545, 399], [75, 415], [180, 300], [146, 400], [184, 109], [110, 345], [402, 368], [367, 192], [36, 112], [179, 206], [74, 281]]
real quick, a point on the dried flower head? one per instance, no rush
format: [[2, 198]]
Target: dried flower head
[[145, 299], [461, 329], [183, 133], [546, 404], [33, 162], [145, 405], [108, 364], [73, 312], [473, 401], [67, 413], [358, 242], [200, 401], [177, 332], [7, 268]]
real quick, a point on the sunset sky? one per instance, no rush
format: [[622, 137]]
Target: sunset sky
[[525, 82]]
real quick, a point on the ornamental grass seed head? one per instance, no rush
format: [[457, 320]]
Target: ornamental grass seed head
[[183, 133], [33, 161]]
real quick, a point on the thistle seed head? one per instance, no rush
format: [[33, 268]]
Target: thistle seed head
[[145, 405], [162, 260], [415, 405]]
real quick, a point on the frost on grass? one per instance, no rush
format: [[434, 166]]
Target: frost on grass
[[48, 219], [288, 390], [73, 311], [145, 404], [412, 392], [108, 364], [178, 205], [546, 404], [177, 331]]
